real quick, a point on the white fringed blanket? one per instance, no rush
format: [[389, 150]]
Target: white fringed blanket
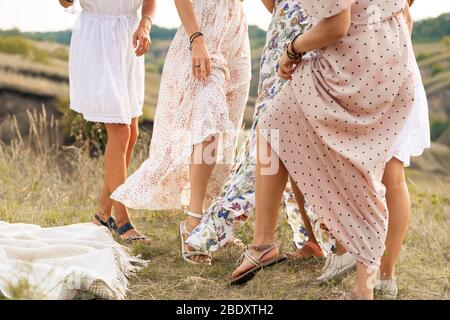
[[62, 262]]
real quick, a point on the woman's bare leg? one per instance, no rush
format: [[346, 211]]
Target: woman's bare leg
[[364, 281], [397, 197], [203, 161], [398, 203], [268, 193], [134, 135], [105, 202], [116, 168], [305, 251]]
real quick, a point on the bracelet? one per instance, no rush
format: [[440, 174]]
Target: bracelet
[[298, 54], [290, 54], [290, 50], [192, 38], [148, 18]]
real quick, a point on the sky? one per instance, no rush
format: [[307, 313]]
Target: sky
[[47, 15]]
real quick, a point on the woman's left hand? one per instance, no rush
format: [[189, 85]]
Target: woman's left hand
[[141, 40], [287, 67]]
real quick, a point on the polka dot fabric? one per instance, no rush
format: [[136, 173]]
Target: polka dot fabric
[[338, 118]]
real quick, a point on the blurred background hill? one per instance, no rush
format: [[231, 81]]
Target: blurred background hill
[[34, 72]]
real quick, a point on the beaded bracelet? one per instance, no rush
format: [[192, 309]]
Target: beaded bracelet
[[192, 38], [294, 55]]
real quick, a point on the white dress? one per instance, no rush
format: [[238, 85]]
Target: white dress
[[106, 77], [414, 138]]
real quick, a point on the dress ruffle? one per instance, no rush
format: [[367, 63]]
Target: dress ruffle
[[190, 111]]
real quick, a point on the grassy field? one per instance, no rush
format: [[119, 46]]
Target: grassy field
[[49, 185]]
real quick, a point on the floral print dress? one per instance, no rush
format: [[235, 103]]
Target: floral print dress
[[237, 200], [191, 111]]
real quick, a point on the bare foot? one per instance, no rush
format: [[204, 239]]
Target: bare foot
[[309, 250]]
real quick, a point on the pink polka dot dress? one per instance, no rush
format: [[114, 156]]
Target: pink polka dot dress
[[334, 124]]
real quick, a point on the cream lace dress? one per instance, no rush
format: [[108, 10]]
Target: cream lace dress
[[190, 111]]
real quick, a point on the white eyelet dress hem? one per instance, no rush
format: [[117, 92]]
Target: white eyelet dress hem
[[106, 76], [415, 135]]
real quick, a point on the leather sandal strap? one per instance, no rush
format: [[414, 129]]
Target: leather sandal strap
[[103, 223], [251, 258], [194, 214], [125, 228], [136, 238], [111, 223], [264, 249]]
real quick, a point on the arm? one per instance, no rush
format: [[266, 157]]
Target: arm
[[66, 3], [141, 37], [408, 18], [201, 60], [269, 4], [326, 32]]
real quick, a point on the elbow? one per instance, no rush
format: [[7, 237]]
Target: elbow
[[339, 24], [340, 30]]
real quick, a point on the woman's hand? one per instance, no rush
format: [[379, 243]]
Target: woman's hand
[[201, 60], [287, 67], [141, 39]]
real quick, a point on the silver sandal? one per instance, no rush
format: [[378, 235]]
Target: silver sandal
[[186, 255]]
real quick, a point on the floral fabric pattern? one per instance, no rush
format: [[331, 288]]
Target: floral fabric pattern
[[236, 202]]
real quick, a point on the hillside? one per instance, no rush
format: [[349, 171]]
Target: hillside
[[33, 71]]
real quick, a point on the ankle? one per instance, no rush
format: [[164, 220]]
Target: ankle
[[262, 243], [387, 274], [104, 215], [192, 223], [339, 249], [193, 218]]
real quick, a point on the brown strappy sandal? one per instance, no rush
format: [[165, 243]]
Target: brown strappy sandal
[[258, 264]]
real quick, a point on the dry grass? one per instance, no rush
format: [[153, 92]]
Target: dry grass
[[54, 185]]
